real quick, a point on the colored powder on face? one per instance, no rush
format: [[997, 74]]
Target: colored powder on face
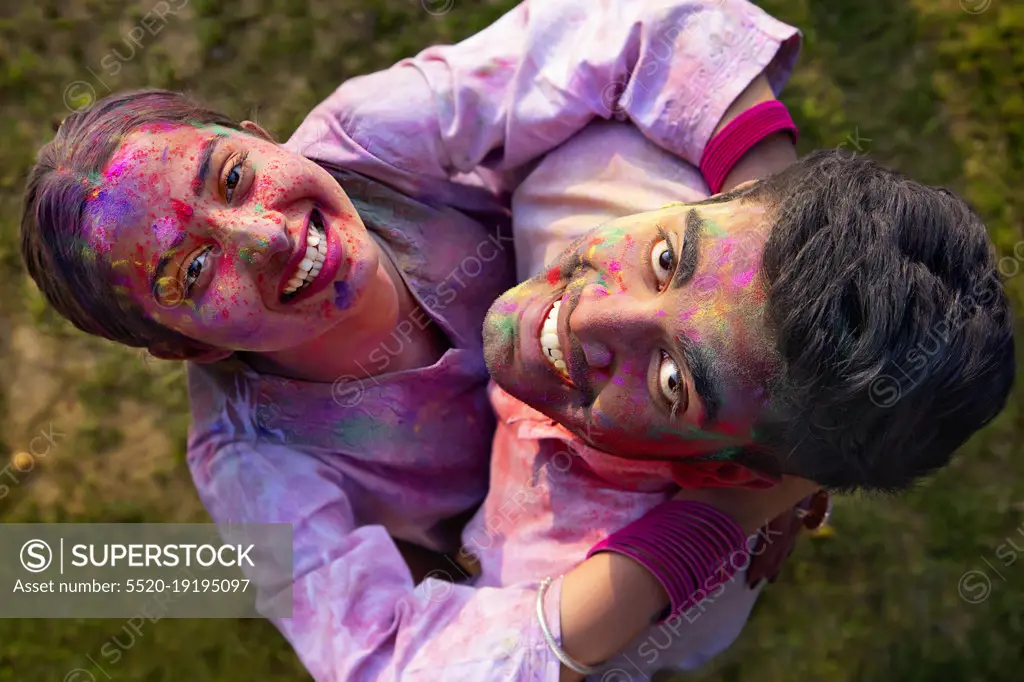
[[613, 266], [165, 230], [250, 254], [163, 157], [713, 229], [615, 235], [744, 279], [182, 210], [553, 276], [503, 325], [259, 208], [117, 169], [661, 313], [342, 295], [112, 210]]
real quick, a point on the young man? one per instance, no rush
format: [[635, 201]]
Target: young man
[[725, 342]]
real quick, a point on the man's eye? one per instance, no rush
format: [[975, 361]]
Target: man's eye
[[663, 261], [670, 380]]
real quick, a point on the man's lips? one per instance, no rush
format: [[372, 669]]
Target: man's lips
[[572, 371]]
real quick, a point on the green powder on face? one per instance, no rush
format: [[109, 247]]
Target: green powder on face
[[502, 324], [614, 236], [713, 229]]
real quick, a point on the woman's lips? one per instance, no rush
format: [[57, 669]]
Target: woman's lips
[[332, 261]]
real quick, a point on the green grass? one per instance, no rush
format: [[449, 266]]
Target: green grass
[[929, 88]]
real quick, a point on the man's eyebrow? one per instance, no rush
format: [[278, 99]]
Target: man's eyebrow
[[690, 252], [706, 379], [205, 155], [165, 258]]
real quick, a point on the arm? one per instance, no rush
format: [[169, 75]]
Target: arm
[[771, 154], [504, 97], [609, 599], [357, 613]]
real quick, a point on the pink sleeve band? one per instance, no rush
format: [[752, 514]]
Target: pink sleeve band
[[687, 546], [737, 138]]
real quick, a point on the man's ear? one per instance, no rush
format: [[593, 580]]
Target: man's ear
[[256, 129], [187, 351]]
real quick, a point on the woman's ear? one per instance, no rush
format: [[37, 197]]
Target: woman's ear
[[187, 351], [256, 129]]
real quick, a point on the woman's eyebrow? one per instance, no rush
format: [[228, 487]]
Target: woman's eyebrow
[[205, 155], [691, 250]]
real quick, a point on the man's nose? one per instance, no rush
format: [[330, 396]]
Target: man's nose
[[610, 326]]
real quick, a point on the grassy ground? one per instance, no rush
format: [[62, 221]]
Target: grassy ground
[[931, 87]]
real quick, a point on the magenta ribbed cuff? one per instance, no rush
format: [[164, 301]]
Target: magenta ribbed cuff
[[737, 138], [683, 544]]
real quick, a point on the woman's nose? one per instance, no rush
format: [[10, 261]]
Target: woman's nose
[[256, 238]]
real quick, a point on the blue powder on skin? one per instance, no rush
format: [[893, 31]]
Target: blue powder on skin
[[342, 295]]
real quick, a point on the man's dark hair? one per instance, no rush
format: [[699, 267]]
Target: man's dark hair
[[894, 335]]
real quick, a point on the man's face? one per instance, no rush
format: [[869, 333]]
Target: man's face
[[645, 337]]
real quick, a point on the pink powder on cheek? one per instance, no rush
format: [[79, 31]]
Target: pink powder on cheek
[[182, 210], [165, 230], [743, 279]]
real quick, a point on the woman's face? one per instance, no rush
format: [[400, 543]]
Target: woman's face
[[229, 239], [646, 337]]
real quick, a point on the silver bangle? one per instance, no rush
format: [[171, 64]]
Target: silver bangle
[[550, 639]]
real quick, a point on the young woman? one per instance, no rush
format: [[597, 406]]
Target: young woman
[[329, 293]]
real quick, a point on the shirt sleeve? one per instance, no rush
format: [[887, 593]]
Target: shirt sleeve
[[356, 613], [455, 121]]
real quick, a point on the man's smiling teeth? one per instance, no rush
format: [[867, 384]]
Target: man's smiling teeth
[[309, 268], [549, 344]]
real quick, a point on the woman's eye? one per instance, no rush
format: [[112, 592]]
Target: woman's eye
[[231, 180], [669, 379], [195, 270], [663, 261]]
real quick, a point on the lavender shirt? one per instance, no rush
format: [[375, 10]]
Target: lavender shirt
[[453, 131]]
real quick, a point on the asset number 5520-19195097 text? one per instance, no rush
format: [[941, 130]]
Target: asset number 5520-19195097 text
[[187, 585]]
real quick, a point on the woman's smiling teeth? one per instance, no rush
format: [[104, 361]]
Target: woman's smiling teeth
[[309, 268], [549, 343]]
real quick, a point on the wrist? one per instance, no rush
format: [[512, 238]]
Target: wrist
[[769, 156], [684, 545]]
